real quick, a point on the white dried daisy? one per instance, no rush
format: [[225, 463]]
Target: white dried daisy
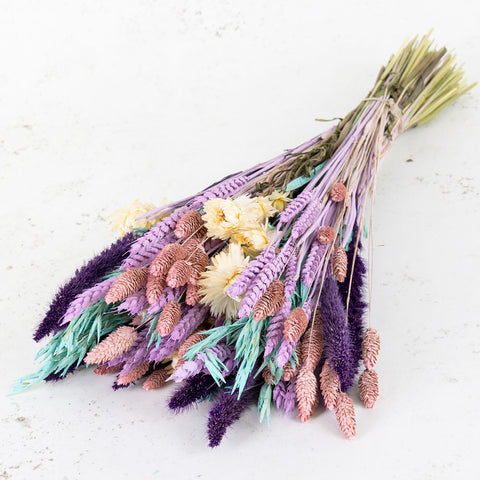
[[215, 282]]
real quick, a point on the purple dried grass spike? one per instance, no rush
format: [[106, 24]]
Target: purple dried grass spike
[[150, 243], [195, 389], [336, 334], [305, 219], [290, 398], [227, 409], [275, 328], [286, 253], [135, 303], [311, 268], [278, 393], [190, 321], [85, 277], [222, 190], [357, 305], [285, 352], [232, 186], [295, 207], [147, 247], [253, 269], [87, 298], [291, 274]]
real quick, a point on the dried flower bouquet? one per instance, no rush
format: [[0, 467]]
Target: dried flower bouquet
[[253, 290]]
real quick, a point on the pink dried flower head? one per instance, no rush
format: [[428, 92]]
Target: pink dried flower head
[[155, 287], [193, 277], [340, 263], [192, 245], [289, 371], [133, 375], [192, 296], [115, 344], [295, 324], [105, 369], [166, 258], [156, 380], [127, 284], [179, 274], [312, 347], [306, 389], [370, 348], [368, 387], [200, 234], [345, 413], [169, 317], [338, 192], [326, 235], [329, 385], [189, 342], [270, 302], [198, 255], [188, 224], [199, 261]]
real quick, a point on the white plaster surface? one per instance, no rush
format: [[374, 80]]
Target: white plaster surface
[[103, 102]]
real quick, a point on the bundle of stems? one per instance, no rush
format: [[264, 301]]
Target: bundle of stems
[[254, 290]]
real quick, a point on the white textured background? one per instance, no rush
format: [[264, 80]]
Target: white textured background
[[103, 102]]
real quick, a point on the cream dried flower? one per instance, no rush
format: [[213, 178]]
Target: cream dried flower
[[253, 240], [125, 219], [214, 283], [221, 217], [252, 211], [279, 200], [268, 210]]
